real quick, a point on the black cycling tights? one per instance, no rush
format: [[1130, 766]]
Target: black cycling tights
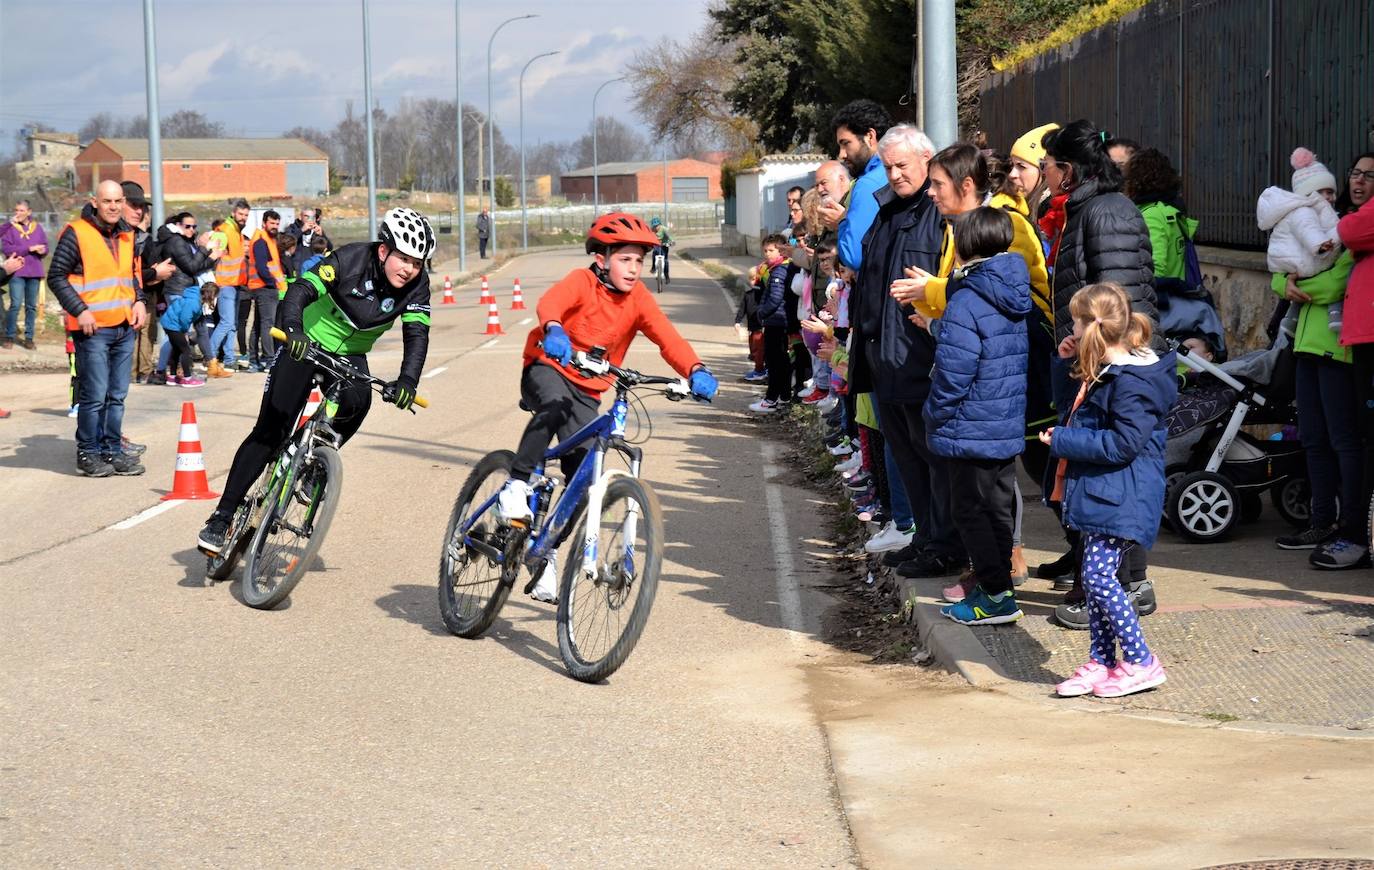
[[284, 395]]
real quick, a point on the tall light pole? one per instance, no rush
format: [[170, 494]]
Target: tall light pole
[[154, 115], [371, 151], [596, 173], [481, 157], [524, 206], [491, 126], [939, 72], [665, 186], [462, 185]]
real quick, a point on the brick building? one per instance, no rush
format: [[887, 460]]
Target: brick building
[[208, 169], [689, 181]]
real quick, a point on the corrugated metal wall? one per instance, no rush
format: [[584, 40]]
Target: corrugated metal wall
[[1226, 88]]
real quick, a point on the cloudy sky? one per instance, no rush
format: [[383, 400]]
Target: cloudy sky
[[263, 67]]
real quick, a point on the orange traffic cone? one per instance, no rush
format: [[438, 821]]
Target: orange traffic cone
[[190, 481], [448, 292], [493, 320], [310, 405], [486, 298], [517, 300]]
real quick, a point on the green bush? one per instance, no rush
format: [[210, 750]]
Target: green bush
[[505, 192]]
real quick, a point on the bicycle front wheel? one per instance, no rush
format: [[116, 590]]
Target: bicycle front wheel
[[602, 609], [293, 529], [473, 583]]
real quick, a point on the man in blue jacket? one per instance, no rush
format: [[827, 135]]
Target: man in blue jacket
[[858, 127], [891, 357]]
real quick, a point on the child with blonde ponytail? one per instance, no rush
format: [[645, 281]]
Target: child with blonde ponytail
[[1110, 477]]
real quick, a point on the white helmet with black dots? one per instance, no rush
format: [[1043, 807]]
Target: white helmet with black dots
[[407, 231]]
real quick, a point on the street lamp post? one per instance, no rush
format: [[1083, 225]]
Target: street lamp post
[[524, 206], [154, 116], [491, 124], [596, 163], [462, 182], [481, 123], [371, 140]]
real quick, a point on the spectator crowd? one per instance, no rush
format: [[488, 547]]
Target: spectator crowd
[[952, 311]]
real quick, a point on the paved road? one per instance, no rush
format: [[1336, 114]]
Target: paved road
[[145, 720]]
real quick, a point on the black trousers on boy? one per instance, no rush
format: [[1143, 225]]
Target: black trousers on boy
[[983, 496], [779, 364]]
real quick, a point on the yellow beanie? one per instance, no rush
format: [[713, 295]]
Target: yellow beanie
[[1028, 147]]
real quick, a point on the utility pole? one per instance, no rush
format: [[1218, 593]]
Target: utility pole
[[481, 151], [939, 74], [371, 137], [154, 115], [462, 182]]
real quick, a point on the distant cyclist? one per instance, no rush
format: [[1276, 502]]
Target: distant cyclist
[[343, 304], [603, 305], [665, 242]]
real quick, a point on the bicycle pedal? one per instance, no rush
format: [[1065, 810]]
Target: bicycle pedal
[[518, 524]]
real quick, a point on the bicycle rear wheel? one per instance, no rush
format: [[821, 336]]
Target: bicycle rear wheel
[[293, 529], [601, 617], [473, 585]]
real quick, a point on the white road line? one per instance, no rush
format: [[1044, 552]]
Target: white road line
[[432, 372], [526, 322], [145, 515], [789, 598], [488, 343]]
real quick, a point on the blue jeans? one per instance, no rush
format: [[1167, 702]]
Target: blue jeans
[[103, 362], [23, 291], [222, 339]]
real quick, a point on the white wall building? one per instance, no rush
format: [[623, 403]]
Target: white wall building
[[761, 195]]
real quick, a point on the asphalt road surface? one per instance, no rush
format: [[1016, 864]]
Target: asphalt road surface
[[148, 721]]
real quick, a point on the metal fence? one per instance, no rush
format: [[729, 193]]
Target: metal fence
[[1226, 88]]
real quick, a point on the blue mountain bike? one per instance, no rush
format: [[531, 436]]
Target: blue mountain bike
[[611, 572]]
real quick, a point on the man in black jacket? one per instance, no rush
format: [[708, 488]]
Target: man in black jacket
[[892, 357], [156, 269]]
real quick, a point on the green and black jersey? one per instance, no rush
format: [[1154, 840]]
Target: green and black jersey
[[344, 304]]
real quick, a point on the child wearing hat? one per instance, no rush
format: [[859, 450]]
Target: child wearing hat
[[1302, 224]]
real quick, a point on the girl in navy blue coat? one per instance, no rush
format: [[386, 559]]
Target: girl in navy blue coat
[[1110, 477], [975, 414]]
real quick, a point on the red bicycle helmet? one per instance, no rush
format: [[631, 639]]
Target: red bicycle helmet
[[619, 228]]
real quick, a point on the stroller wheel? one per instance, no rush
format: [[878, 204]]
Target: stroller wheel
[[1203, 507], [1292, 498], [1172, 475]]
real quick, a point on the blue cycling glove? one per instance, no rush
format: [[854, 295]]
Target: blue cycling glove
[[556, 344], [703, 384]]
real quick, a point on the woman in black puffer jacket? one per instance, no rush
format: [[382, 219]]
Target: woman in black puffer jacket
[[1105, 239]]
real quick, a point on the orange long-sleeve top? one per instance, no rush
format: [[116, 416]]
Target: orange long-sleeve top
[[593, 316]]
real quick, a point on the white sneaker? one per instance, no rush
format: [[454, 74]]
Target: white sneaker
[[546, 590], [513, 502], [826, 405], [72, 412], [844, 448], [764, 406], [890, 538], [853, 463]]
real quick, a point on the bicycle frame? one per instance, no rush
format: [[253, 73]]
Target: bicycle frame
[[590, 479]]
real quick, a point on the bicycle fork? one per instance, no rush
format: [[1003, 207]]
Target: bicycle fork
[[629, 526]]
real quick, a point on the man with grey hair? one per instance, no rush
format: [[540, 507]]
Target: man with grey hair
[[892, 356]]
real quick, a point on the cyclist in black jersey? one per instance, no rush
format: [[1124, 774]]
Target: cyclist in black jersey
[[343, 304]]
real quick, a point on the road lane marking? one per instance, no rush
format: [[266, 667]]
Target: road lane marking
[[488, 343], [789, 598], [144, 515], [432, 372], [526, 322]]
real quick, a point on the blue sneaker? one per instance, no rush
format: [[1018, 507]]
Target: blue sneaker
[[979, 608], [756, 377]]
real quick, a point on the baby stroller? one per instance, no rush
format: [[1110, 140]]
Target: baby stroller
[[1216, 473]]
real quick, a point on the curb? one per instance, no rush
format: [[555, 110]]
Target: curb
[[952, 644]]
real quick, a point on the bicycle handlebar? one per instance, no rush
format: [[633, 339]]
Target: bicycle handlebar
[[628, 378], [335, 364]]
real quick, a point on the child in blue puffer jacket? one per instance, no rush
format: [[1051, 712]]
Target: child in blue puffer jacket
[[1110, 477], [975, 414], [183, 312]]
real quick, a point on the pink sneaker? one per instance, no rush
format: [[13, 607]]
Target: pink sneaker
[[814, 396], [956, 593], [192, 381], [1127, 679], [1084, 680]]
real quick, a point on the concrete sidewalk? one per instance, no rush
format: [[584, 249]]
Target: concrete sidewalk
[[1248, 633]]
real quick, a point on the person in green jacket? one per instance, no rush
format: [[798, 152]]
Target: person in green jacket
[[1155, 188], [1327, 422]]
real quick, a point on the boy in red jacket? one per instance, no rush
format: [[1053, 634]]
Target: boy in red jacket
[[604, 305]]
